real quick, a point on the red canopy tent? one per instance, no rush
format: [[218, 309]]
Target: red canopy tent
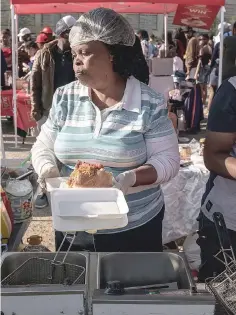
[[146, 6], [121, 7], [62, 6]]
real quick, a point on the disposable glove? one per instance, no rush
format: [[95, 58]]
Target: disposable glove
[[48, 171], [125, 180]]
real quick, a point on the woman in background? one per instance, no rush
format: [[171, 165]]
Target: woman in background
[[144, 39], [171, 48], [181, 43]]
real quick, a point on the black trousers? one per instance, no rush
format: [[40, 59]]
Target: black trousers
[[210, 246], [146, 238]]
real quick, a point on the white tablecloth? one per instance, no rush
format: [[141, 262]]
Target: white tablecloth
[[183, 196]]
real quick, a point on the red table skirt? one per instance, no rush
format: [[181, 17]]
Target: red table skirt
[[24, 121]]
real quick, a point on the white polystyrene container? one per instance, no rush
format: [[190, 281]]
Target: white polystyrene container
[[83, 209]]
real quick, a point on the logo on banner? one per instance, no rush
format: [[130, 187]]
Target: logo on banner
[[27, 102], [6, 103], [198, 9]]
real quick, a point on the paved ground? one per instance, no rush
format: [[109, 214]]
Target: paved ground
[[41, 223]]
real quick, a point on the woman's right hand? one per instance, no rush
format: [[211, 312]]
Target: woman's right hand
[[48, 171]]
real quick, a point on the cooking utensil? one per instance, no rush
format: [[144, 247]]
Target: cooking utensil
[[24, 176], [45, 271], [224, 285]]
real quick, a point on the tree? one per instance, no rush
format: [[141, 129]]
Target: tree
[[232, 20]]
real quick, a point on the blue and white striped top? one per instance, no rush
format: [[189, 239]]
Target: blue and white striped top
[[134, 132]]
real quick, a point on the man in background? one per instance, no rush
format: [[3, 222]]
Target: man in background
[[202, 72], [41, 40], [192, 52], [24, 35], [48, 32], [52, 68]]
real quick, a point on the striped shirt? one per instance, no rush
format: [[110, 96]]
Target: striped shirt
[[134, 132]]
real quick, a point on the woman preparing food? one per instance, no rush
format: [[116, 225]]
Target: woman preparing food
[[109, 117]]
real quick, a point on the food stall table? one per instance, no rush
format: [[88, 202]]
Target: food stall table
[[183, 196], [24, 121]]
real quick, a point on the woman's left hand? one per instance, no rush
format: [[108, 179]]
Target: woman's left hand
[[124, 181]]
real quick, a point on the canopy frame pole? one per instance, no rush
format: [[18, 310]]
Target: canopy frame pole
[[222, 18], [166, 32], [14, 70], [16, 32]]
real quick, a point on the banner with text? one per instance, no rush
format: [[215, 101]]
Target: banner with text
[[199, 16]]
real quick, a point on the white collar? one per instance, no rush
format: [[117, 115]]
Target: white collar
[[131, 100]]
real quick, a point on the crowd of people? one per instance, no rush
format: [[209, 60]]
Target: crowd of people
[[197, 55], [91, 101]]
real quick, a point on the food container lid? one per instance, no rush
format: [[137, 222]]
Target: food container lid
[[19, 188]]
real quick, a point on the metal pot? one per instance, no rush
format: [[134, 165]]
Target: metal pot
[[20, 193]]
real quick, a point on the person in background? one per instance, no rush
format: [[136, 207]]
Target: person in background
[[229, 57], [180, 42], [171, 48], [214, 65], [52, 68], [211, 41], [214, 68], [153, 46], [3, 69], [170, 41], [5, 40], [23, 58], [220, 194], [202, 72], [192, 53], [24, 36], [144, 39], [48, 32], [227, 32], [142, 71], [41, 40], [117, 121], [31, 48], [234, 29]]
